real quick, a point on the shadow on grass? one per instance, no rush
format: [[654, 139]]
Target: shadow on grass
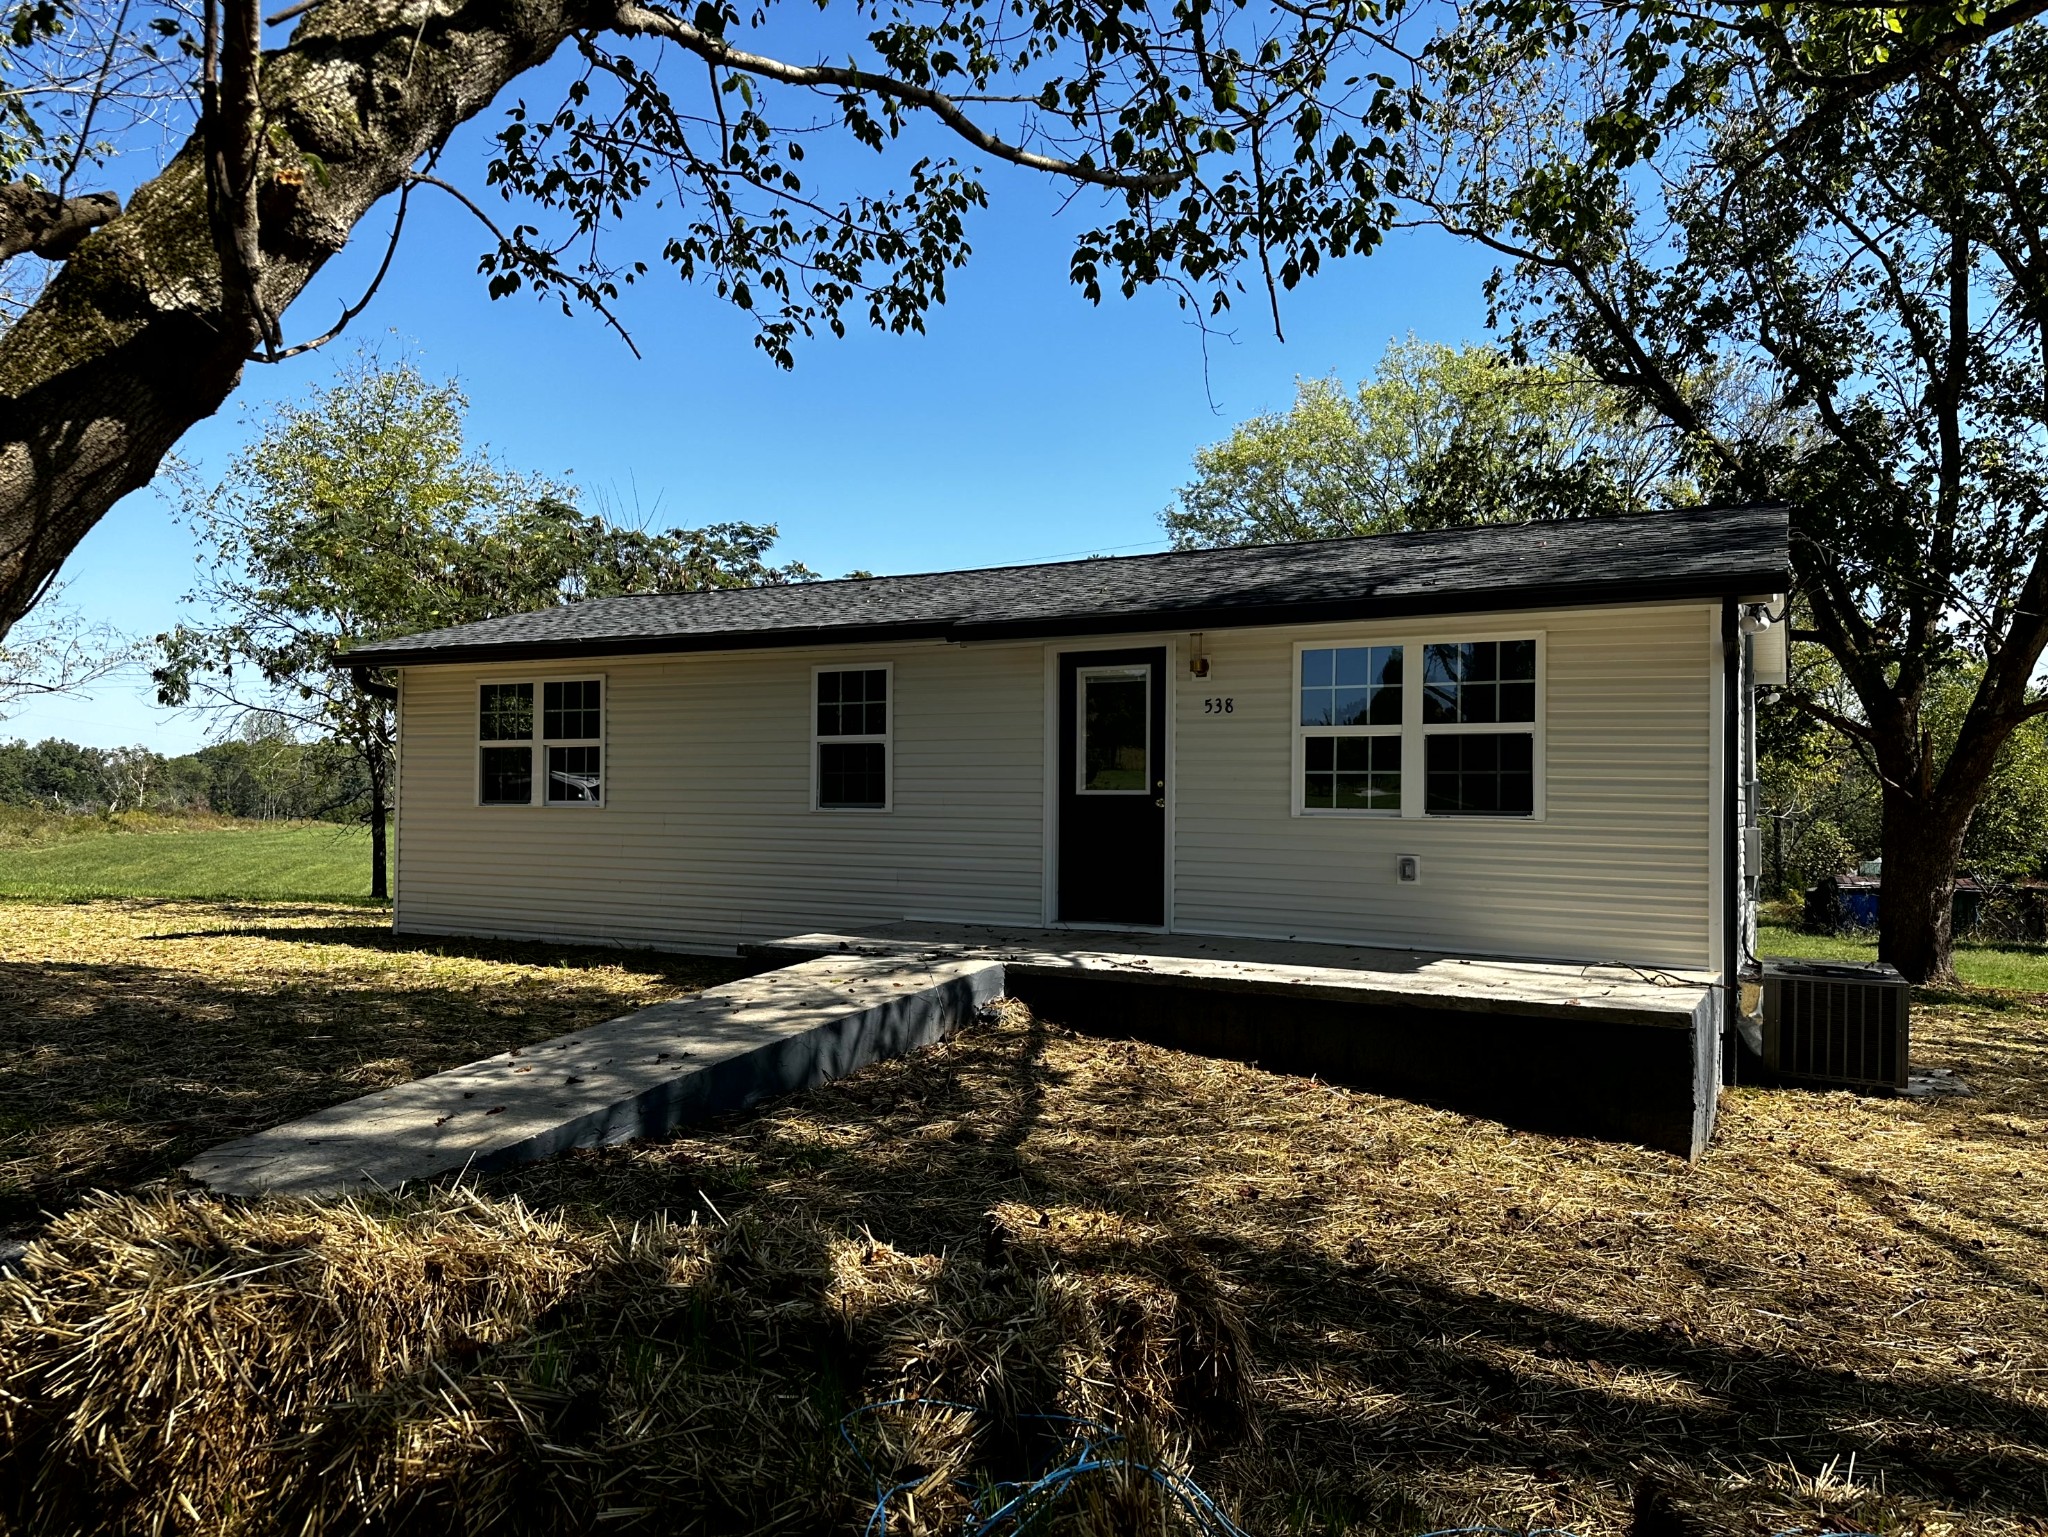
[[1402, 1375], [115, 1073], [1395, 1388], [379, 937]]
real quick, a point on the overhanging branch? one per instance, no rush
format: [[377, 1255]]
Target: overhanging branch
[[1842, 723], [636, 20]]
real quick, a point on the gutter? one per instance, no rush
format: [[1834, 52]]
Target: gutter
[[1731, 828]]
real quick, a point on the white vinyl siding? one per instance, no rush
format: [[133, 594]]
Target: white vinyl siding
[[1615, 868], [707, 837]]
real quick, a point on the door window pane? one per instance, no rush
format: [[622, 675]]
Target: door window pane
[[505, 712], [1351, 686], [853, 775], [1115, 733], [570, 711], [573, 774], [1489, 774], [507, 775]]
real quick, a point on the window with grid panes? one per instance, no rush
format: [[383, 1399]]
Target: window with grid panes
[[552, 754], [852, 739], [1479, 728], [1349, 722], [1463, 725]]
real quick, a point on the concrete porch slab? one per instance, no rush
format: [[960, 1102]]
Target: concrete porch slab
[[641, 1075], [1626, 1053], [1302, 968]]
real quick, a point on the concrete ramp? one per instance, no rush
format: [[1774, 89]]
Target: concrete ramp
[[642, 1075]]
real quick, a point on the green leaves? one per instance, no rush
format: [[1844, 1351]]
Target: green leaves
[[362, 513], [1217, 128], [1440, 436]]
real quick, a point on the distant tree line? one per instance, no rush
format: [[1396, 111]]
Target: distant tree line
[[361, 512], [261, 772]]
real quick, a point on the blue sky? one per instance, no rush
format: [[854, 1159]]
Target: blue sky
[[1027, 425]]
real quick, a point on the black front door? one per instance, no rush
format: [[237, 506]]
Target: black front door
[[1112, 803]]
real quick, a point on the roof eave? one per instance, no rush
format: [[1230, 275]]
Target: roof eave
[[1733, 583], [1421, 605], [643, 645]]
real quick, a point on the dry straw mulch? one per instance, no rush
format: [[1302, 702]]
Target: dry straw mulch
[[134, 1034], [1339, 1313]]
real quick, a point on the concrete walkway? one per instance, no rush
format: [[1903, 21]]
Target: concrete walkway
[[1607, 1050], [642, 1075]]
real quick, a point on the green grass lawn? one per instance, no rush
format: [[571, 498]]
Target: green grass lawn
[[250, 861], [2023, 968]]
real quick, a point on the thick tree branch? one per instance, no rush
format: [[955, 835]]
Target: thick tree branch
[[637, 20], [1820, 712], [142, 334], [1908, 63], [34, 220], [1839, 94], [231, 124], [349, 312]]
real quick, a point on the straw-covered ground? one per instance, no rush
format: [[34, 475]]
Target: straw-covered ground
[[135, 1033], [1337, 1312]]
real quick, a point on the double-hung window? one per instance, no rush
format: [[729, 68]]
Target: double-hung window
[[850, 745], [541, 743], [1418, 728], [1479, 728], [1351, 728]]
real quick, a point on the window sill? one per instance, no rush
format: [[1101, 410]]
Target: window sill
[[1339, 814], [540, 806]]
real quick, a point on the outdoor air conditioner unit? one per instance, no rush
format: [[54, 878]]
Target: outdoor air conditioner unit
[[1844, 1023]]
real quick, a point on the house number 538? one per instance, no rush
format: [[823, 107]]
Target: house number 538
[[1214, 705]]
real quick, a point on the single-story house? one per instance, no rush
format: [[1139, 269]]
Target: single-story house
[[1515, 741]]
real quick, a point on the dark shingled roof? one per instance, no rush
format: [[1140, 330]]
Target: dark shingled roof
[[1692, 553]]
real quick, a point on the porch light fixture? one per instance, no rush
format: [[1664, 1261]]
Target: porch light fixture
[[1198, 657]]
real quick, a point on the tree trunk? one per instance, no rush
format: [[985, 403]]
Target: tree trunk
[[1923, 844], [136, 338], [380, 857]]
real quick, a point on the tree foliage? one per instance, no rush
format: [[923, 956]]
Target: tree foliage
[[1439, 436], [1823, 795], [361, 513], [263, 770], [1218, 147], [1854, 232], [1211, 139]]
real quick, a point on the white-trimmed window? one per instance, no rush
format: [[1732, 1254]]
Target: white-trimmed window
[[1456, 736], [1350, 725], [850, 767], [1479, 728], [541, 742]]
